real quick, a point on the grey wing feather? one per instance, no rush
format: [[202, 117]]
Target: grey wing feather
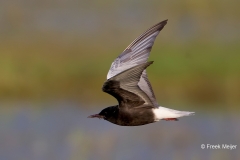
[[129, 81], [145, 85], [137, 52]]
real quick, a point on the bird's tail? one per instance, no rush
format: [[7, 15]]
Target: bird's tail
[[167, 113]]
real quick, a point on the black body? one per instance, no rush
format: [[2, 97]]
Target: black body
[[125, 116]]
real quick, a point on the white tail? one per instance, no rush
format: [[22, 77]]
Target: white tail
[[162, 113]]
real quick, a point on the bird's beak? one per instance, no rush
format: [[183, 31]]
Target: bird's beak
[[96, 116]]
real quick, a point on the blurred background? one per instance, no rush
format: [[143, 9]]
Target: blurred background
[[54, 58]]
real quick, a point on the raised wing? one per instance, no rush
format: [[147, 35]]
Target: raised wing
[[124, 87], [137, 52]]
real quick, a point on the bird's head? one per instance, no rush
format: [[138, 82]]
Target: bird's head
[[107, 113]]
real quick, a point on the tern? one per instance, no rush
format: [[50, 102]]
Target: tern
[[127, 81]]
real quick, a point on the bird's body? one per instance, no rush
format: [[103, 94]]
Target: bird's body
[[131, 117], [127, 81]]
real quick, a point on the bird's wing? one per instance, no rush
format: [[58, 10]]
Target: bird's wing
[[124, 87], [137, 52]]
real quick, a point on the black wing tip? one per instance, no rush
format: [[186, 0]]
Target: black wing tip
[[162, 24], [165, 21], [148, 63]]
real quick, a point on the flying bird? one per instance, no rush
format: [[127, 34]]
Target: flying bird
[[127, 81]]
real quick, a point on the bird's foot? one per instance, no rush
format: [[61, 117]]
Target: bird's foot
[[170, 119]]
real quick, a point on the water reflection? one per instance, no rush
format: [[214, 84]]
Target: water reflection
[[63, 131]]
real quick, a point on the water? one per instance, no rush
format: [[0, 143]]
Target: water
[[63, 132]]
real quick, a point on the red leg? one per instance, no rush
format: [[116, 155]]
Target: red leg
[[170, 119]]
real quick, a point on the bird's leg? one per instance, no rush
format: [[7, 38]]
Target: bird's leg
[[170, 119]]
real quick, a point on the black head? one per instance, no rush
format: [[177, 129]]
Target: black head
[[107, 113]]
